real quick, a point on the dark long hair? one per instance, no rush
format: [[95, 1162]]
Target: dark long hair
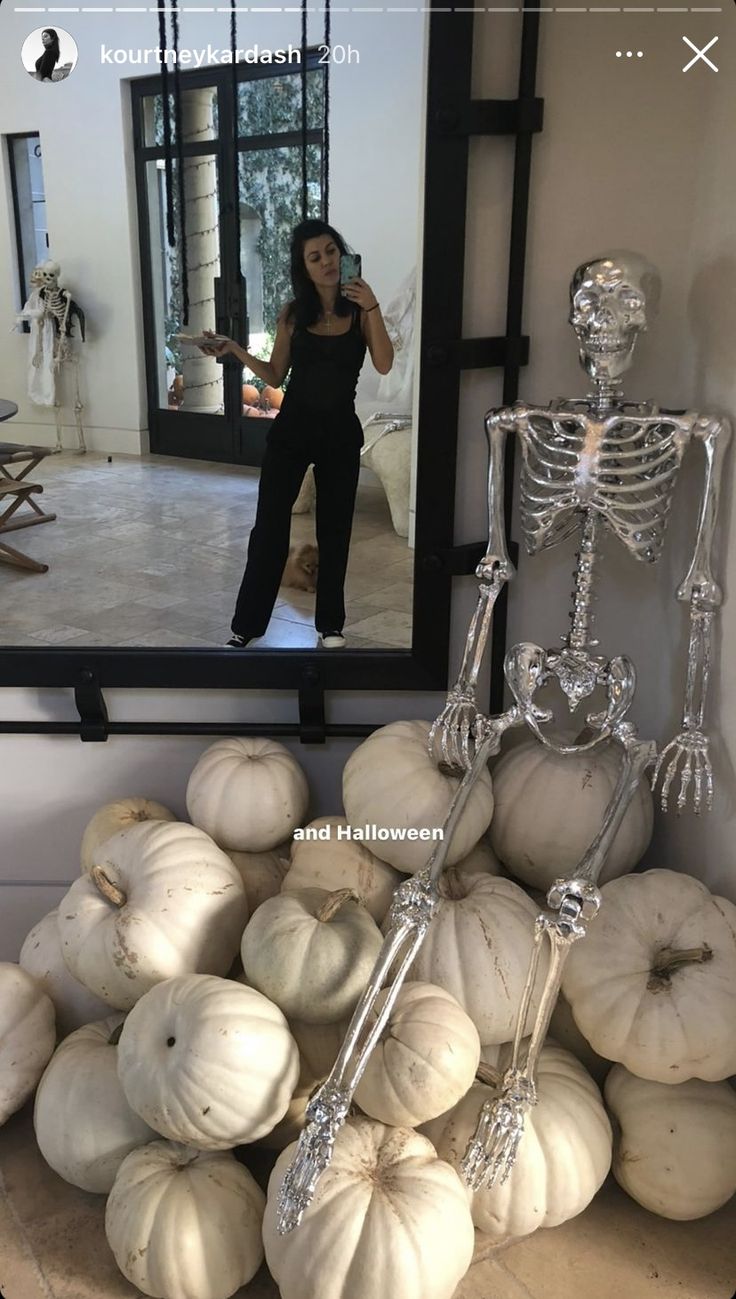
[[306, 307], [51, 55]]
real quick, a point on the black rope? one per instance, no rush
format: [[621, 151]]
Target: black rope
[[180, 167], [168, 161], [304, 111], [236, 156], [326, 133]]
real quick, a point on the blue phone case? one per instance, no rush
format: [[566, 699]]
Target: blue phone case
[[350, 267]]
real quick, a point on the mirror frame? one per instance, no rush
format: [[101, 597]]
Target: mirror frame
[[452, 118]]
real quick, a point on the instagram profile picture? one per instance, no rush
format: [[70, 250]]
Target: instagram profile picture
[[49, 54]]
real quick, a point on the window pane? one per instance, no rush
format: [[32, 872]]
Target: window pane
[[186, 379], [32, 233], [270, 104], [270, 207], [198, 117]]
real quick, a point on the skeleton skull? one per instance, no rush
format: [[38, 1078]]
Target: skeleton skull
[[46, 275], [610, 297]]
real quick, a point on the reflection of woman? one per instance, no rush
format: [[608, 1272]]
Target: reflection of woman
[[321, 337], [51, 54]]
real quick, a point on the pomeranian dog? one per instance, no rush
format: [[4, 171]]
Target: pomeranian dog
[[301, 568]]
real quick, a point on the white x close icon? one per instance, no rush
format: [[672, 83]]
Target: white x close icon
[[699, 54]]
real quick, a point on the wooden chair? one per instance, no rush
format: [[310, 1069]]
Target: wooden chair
[[16, 492]]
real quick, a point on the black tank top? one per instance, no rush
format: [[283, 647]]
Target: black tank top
[[325, 368]]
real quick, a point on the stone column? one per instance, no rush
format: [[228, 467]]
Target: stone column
[[203, 387]]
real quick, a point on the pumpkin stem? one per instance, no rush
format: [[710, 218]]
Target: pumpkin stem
[[486, 1073], [671, 959], [451, 885], [114, 1037], [107, 888], [334, 901]]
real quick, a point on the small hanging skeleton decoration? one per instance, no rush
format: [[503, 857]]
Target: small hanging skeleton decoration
[[52, 312], [590, 464]]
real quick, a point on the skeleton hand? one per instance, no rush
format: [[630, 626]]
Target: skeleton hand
[[691, 748], [452, 734]]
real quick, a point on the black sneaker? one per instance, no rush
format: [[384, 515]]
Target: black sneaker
[[332, 640], [238, 642]]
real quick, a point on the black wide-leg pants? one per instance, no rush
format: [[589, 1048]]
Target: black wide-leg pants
[[298, 438]]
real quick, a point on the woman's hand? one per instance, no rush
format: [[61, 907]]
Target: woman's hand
[[221, 347], [360, 293]]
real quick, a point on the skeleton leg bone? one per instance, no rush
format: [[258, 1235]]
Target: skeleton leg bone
[[78, 407], [492, 1149], [413, 907]]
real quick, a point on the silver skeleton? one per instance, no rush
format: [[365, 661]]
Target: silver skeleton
[[599, 462], [59, 305]]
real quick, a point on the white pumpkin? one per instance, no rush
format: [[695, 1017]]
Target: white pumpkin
[[549, 808], [27, 1036], [248, 794], [185, 1224], [479, 947], [564, 1030], [207, 1062], [653, 984], [84, 1125], [391, 783], [319, 1046], [161, 899], [481, 860], [335, 863], [563, 1157], [114, 817], [388, 1218], [674, 1147], [424, 1060], [41, 956], [311, 952], [262, 873]]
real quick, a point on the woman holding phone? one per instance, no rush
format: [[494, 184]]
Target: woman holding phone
[[321, 338]]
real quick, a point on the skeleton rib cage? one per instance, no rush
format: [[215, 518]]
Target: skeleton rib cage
[[621, 467]]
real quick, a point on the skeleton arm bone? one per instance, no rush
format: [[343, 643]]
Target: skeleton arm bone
[[700, 590], [451, 735]]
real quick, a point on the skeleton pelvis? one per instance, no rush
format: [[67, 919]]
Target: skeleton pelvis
[[528, 668]]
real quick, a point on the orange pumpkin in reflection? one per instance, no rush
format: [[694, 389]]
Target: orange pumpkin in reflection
[[251, 395], [274, 397]]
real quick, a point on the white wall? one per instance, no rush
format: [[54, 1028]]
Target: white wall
[[90, 185], [594, 169]]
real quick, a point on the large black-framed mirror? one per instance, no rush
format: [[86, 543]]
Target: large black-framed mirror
[[451, 118]]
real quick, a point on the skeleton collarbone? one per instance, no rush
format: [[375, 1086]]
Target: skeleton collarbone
[[620, 464]]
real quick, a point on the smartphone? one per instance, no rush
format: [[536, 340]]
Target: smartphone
[[350, 266]]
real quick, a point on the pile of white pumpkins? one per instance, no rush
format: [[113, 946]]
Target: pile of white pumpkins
[[172, 1053]]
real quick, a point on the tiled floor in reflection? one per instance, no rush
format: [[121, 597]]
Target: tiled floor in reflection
[[150, 551]]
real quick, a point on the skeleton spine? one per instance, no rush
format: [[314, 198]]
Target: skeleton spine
[[582, 610]]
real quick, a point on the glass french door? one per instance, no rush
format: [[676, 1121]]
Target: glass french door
[[238, 218]]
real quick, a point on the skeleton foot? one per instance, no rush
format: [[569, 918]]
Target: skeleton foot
[[688, 753], [326, 1112], [491, 1151]]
